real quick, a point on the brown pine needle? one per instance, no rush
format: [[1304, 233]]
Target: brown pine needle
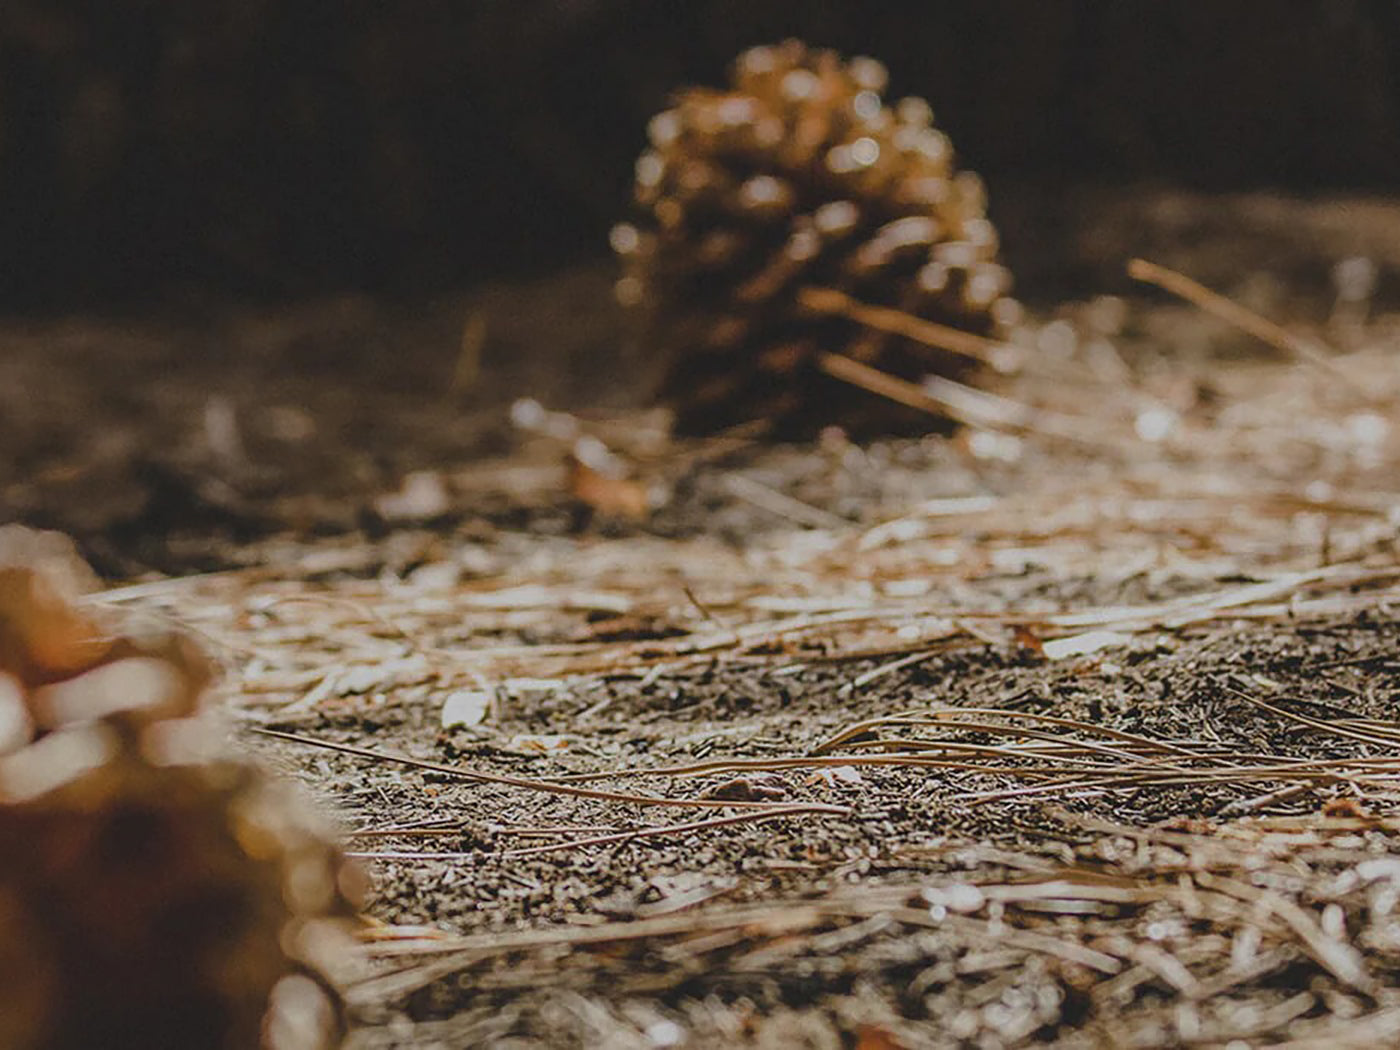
[[1233, 313], [547, 786], [885, 385], [672, 829], [962, 403], [896, 322], [943, 717]]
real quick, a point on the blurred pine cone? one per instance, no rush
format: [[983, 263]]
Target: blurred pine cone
[[799, 177], [150, 897]]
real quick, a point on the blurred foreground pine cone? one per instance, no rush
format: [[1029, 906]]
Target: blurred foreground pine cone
[[150, 897], [799, 177]]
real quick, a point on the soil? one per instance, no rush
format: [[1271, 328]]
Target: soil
[[1073, 728]]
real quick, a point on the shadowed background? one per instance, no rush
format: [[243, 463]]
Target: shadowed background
[[279, 148]]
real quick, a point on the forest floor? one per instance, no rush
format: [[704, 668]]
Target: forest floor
[[1077, 727]]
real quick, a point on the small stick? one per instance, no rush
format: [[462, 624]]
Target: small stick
[[1284, 794], [703, 609], [862, 680], [1233, 313], [897, 322]]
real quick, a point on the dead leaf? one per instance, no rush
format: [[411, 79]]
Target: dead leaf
[[873, 1037], [466, 707], [610, 496], [1347, 806], [70, 665], [539, 743], [1028, 639], [757, 787], [832, 776]]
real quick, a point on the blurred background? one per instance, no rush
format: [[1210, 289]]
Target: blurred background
[[278, 148]]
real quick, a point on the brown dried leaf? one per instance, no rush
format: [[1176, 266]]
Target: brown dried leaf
[[614, 497], [873, 1037], [1027, 639], [756, 787], [1348, 807]]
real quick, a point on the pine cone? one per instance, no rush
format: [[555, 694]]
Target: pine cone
[[799, 177], [149, 897]]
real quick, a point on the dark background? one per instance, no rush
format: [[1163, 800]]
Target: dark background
[[275, 148]]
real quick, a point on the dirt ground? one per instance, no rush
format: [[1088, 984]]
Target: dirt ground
[[1074, 728]]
